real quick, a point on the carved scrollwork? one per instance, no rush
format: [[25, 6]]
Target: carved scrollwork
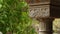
[[39, 11]]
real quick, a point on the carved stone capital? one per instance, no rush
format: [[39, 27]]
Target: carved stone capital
[[45, 25], [41, 11]]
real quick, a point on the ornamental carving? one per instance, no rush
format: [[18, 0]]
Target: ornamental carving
[[39, 11]]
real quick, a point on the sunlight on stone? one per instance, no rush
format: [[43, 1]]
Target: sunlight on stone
[[56, 24]]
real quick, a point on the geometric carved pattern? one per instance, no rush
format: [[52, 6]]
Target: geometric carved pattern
[[41, 11], [44, 11]]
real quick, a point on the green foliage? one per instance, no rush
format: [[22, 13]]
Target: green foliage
[[14, 17]]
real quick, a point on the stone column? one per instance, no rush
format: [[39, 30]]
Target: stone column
[[45, 25]]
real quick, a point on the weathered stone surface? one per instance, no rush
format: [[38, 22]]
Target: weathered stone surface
[[36, 1], [55, 2], [55, 8], [45, 25], [44, 11], [41, 11], [55, 12]]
